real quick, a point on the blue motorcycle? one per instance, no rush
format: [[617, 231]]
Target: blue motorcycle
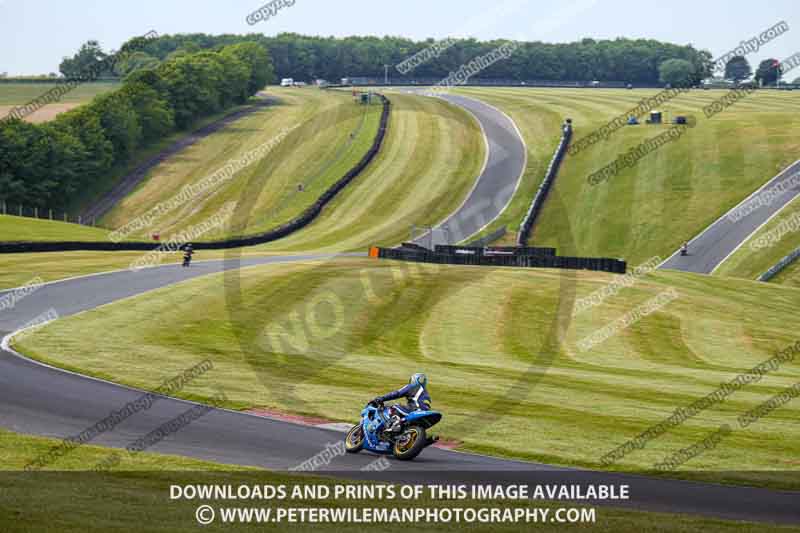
[[377, 434]]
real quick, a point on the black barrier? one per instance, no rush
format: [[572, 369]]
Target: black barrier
[[602, 264], [304, 219], [544, 188], [413, 246], [492, 250]]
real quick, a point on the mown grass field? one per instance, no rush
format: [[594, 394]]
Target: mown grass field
[[14, 228], [432, 155], [419, 177], [18, 269], [671, 194], [500, 347], [789, 276], [759, 253], [329, 134], [138, 492], [15, 94]]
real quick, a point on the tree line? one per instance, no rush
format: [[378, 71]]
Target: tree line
[[308, 57], [47, 165]]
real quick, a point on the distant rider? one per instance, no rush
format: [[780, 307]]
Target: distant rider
[[416, 396], [188, 251]]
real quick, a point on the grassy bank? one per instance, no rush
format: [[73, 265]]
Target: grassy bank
[[13, 228], [500, 347], [765, 248], [667, 197]]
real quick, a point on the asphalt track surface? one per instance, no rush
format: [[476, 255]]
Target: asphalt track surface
[[498, 181], [722, 238], [41, 400]]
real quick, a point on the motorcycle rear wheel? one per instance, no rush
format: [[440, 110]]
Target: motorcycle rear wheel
[[410, 443], [354, 441]]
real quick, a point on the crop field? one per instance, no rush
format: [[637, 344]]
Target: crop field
[[15, 94]]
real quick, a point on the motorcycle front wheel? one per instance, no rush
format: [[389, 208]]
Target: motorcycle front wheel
[[354, 441], [410, 443]]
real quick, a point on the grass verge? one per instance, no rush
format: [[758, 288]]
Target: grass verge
[[138, 498]]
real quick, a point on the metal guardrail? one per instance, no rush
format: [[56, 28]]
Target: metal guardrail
[[541, 194], [779, 266], [490, 238]]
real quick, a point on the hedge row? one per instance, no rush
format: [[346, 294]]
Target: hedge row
[[302, 220]]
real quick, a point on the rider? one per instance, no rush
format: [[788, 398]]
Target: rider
[[416, 395], [188, 251]]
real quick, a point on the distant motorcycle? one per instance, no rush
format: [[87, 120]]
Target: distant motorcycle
[[404, 442], [188, 252]]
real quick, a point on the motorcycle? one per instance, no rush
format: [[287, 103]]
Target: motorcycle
[[188, 252], [405, 443]]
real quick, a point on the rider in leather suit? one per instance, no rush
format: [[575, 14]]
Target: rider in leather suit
[[416, 396]]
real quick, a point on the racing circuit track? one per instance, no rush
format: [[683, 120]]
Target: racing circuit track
[[41, 400], [721, 239]]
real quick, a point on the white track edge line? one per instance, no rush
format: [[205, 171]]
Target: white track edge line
[[732, 209]]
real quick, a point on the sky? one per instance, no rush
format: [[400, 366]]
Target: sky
[[36, 34]]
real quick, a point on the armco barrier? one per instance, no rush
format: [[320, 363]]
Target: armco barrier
[[490, 238], [544, 188], [302, 220], [602, 264], [783, 263]]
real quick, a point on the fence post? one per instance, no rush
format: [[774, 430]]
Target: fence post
[[20, 209], [36, 212], [79, 219], [51, 214], [65, 216]]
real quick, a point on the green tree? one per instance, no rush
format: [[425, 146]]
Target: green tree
[[235, 79], [768, 72], [738, 69], [36, 162], [258, 60], [65, 154], [84, 123], [155, 115], [677, 72], [120, 123], [86, 62], [129, 63]]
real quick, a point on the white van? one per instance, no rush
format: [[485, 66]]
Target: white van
[[287, 82]]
